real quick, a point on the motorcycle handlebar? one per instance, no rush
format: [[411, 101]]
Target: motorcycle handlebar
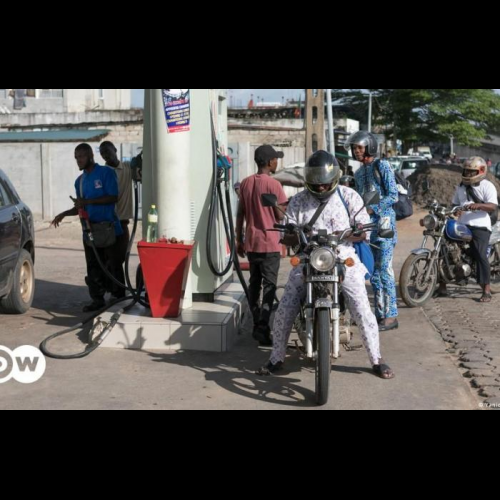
[[465, 208], [357, 229]]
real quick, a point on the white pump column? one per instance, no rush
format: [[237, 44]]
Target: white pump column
[[166, 175], [177, 177]]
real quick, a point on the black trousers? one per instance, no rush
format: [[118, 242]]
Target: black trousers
[[264, 270], [480, 245], [96, 280], [116, 258]]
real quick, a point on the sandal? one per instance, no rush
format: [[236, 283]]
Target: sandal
[[383, 371], [486, 298]]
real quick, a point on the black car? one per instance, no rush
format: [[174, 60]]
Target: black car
[[17, 251]]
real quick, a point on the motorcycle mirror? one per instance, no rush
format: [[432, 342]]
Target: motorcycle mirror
[[386, 234], [269, 200], [348, 181], [371, 198]]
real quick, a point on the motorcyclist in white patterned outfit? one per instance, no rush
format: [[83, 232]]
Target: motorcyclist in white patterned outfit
[[322, 175]]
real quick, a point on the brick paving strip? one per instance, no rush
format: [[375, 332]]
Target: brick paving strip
[[471, 330]]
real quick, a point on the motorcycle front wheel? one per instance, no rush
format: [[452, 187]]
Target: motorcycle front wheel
[[416, 291], [495, 268], [322, 328]]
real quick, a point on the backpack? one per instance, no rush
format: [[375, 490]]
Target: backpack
[[404, 205]]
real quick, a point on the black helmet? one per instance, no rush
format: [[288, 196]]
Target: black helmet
[[362, 138], [322, 168]]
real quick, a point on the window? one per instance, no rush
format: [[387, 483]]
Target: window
[[4, 198], [43, 93], [315, 143], [9, 193], [413, 165], [51, 93]]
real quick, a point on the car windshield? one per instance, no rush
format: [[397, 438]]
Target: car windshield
[[412, 165], [395, 162]]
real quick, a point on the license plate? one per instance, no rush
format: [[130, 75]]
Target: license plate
[[321, 279]]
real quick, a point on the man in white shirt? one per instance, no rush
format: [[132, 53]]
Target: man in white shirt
[[125, 212], [480, 197]]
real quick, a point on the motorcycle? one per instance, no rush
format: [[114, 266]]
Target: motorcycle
[[450, 260], [320, 323]]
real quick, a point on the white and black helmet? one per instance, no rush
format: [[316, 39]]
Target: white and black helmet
[[362, 138], [322, 168], [475, 170]]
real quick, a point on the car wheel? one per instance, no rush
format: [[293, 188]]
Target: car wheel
[[23, 288]]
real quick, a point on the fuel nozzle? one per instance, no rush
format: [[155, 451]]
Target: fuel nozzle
[[85, 219], [224, 165], [136, 166]]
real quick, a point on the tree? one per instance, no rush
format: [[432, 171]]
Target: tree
[[417, 116]]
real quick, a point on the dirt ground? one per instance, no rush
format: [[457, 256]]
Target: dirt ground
[[439, 182]]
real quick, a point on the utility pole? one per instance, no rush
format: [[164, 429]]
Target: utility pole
[[370, 111], [315, 121], [331, 129]]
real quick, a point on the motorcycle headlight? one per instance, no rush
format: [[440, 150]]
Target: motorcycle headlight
[[323, 260], [431, 222]]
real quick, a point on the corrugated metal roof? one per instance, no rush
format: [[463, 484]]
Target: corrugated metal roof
[[73, 135]]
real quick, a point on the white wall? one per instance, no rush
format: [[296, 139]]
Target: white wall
[[73, 101], [90, 99], [44, 174]]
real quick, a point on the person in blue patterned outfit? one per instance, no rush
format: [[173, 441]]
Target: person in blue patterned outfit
[[376, 174]]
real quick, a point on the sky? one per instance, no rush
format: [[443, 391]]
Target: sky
[[241, 97], [238, 97], [138, 98]]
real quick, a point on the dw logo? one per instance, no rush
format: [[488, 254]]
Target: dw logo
[[25, 364]]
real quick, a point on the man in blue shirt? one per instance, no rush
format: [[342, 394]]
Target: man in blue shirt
[[97, 194]]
